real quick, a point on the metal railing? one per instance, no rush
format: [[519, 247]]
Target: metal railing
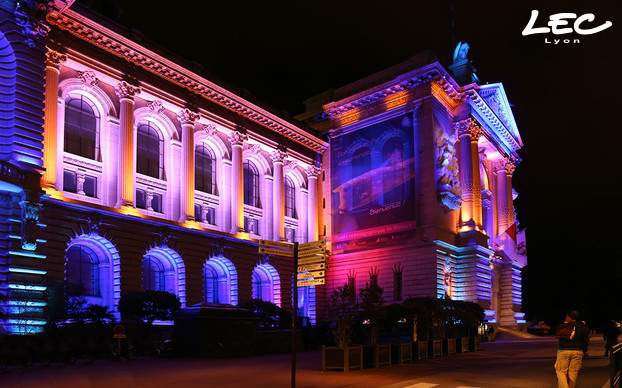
[[615, 365]]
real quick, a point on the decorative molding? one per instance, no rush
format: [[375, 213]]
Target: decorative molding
[[151, 182], [468, 127], [30, 16], [125, 90], [88, 78], [291, 165], [237, 138], [313, 171], [30, 218], [156, 107], [447, 171], [210, 130], [112, 42], [278, 156], [255, 148], [54, 59], [94, 166], [187, 117]]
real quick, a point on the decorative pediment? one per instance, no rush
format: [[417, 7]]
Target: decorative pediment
[[493, 95]]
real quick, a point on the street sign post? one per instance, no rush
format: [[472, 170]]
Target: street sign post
[[314, 274], [276, 252], [312, 259], [311, 267], [276, 244], [312, 251], [312, 282], [312, 244]]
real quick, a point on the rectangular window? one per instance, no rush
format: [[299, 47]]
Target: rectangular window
[[70, 183], [141, 200], [90, 186], [210, 216], [251, 225], [373, 279], [156, 203], [397, 286], [198, 213]]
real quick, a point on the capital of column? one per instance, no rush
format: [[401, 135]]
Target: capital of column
[[125, 90], [468, 127], [313, 171], [506, 165], [53, 59], [278, 156], [237, 138], [186, 116]]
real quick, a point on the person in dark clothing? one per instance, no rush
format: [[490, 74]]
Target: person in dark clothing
[[610, 335], [573, 343]]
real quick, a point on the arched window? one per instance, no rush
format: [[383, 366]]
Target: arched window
[[153, 274], [220, 281], [204, 170], [81, 136], [361, 178], [393, 171], [290, 198], [266, 284], [82, 271], [149, 151], [251, 185]]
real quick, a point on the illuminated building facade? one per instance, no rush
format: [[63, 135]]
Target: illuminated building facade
[[123, 169], [420, 197]]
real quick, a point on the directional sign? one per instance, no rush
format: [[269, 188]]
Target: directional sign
[[276, 244], [314, 274], [312, 259], [311, 267], [312, 251], [312, 244], [311, 282], [277, 252]]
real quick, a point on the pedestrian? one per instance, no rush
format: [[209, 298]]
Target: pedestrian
[[573, 342], [610, 335]]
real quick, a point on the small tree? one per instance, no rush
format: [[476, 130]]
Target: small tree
[[269, 315], [147, 306], [342, 309], [371, 304]]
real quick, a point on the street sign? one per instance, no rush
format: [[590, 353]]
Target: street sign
[[311, 267], [276, 244], [312, 244], [315, 275], [312, 259], [119, 336], [311, 282], [277, 252], [311, 252]]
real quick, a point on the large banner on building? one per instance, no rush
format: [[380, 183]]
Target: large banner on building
[[373, 184]]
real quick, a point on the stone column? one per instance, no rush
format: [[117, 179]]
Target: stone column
[[312, 217], [278, 198], [505, 204], [126, 92], [237, 140], [187, 118], [50, 120], [470, 183]]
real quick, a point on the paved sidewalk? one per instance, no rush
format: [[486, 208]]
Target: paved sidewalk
[[516, 363]]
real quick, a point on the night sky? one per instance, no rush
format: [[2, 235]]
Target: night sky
[[566, 100]]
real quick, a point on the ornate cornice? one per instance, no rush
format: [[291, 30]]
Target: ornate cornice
[[237, 138], [54, 59], [186, 116], [112, 42], [125, 90]]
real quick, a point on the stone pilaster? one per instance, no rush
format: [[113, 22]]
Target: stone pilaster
[[50, 120], [278, 198], [468, 135], [126, 92], [312, 217], [237, 140], [505, 208], [187, 119]]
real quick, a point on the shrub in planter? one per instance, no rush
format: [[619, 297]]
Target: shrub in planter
[[342, 310]]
